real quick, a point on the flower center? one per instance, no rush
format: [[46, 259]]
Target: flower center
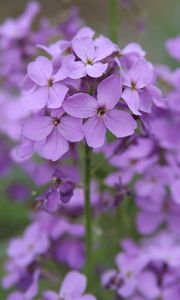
[[50, 82], [56, 122], [133, 162], [101, 111], [57, 180], [89, 61], [133, 85]]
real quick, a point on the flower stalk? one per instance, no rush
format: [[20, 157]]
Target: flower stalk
[[88, 213], [113, 20]]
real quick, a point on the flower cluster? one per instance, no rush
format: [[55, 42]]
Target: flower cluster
[[84, 91], [88, 86], [145, 271], [48, 239]]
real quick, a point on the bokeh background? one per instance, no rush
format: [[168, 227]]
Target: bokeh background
[[148, 22]]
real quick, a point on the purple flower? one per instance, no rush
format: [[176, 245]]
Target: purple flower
[[30, 293], [24, 250], [71, 252], [135, 160], [102, 113], [73, 23], [154, 182], [130, 267], [13, 29], [61, 192], [90, 56], [148, 285], [46, 87], [135, 80], [53, 132], [73, 287], [173, 47], [154, 214]]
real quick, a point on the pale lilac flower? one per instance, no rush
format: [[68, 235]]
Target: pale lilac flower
[[129, 55], [102, 113], [130, 267], [155, 213], [135, 80], [13, 29], [53, 132], [90, 57], [154, 182], [72, 288], [24, 250], [46, 87], [135, 160], [133, 49], [173, 47]]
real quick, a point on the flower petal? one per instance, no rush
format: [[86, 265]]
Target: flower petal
[[24, 151], [51, 203], [80, 105], [57, 94], [71, 128], [132, 99], [148, 222], [77, 70], [73, 69], [73, 285], [120, 123], [55, 146], [95, 131], [40, 70], [37, 129], [148, 285], [32, 290], [50, 295], [173, 47], [175, 190], [96, 70], [35, 100], [141, 73], [109, 91], [16, 296], [145, 101], [104, 48], [87, 297], [84, 48]]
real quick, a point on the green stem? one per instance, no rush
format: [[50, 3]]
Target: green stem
[[113, 20], [88, 214]]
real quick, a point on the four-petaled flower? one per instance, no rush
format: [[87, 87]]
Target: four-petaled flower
[[101, 112], [53, 133], [72, 288], [135, 80], [46, 87], [90, 55]]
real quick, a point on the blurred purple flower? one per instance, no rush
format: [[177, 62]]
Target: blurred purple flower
[[72, 287]]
